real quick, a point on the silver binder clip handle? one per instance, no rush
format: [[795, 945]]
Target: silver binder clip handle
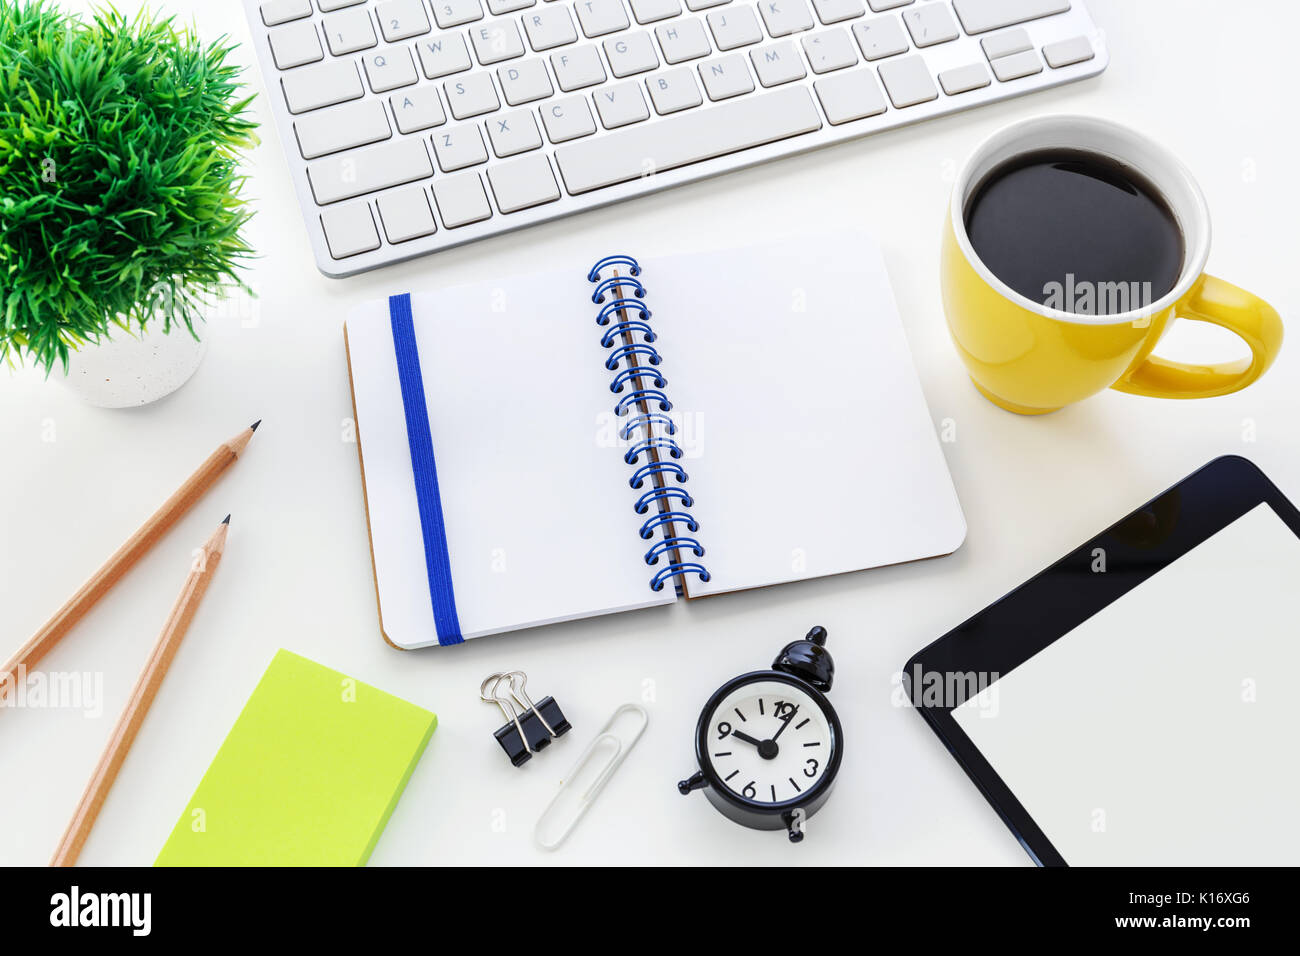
[[507, 708], [518, 683], [581, 785]]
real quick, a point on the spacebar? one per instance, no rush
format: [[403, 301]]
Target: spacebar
[[682, 140]]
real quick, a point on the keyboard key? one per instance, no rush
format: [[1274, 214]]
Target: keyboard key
[[401, 20], [599, 17], [390, 70], [324, 85], [837, 11], [471, 95], [327, 6], [963, 79], [275, 12], [674, 90], [550, 27], [461, 200], [350, 230], [406, 215], [1005, 44], [444, 55], [850, 96], [908, 81], [523, 183], [930, 24], [342, 127], [499, 7], [631, 53], [513, 133], [783, 17], [525, 82], [295, 45], [497, 41], [830, 50], [880, 37], [568, 118], [621, 105], [727, 76], [454, 13], [778, 63], [459, 147], [652, 11], [578, 68], [349, 32], [1076, 50], [734, 27], [879, 6], [683, 40], [980, 16], [418, 109], [365, 171], [694, 5], [1016, 66], [691, 137]]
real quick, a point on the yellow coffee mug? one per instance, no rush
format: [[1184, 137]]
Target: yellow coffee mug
[[1031, 358]]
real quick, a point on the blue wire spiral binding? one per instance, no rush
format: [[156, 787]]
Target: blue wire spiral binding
[[615, 332], [656, 468], [668, 545], [637, 372], [645, 445], [661, 494], [655, 443], [619, 260], [623, 305], [642, 395], [677, 571], [630, 352], [668, 517], [615, 283], [645, 421]]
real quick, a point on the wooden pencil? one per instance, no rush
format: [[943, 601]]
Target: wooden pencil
[[103, 580], [142, 696]]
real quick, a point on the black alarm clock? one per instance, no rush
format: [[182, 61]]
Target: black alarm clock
[[769, 743]]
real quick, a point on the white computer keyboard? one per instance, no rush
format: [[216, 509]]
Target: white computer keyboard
[[415, 125]]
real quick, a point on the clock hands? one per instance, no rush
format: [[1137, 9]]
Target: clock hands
[[746, 738], [790, 713]]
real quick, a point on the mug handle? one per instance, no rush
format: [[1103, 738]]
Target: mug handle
[[1223, 304]]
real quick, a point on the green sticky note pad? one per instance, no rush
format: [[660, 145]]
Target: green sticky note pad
[[308, 776]]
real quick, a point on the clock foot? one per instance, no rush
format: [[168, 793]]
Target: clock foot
[[695, 781], [794, 825]]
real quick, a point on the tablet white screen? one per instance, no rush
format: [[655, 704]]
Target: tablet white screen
[[1163, 729]]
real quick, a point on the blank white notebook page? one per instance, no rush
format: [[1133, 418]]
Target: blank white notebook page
[[808, 442], [539, 519]]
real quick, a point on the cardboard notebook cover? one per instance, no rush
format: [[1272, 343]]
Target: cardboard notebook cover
[[308, 776]]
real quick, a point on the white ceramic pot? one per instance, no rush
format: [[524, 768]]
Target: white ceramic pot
[[135, 368]]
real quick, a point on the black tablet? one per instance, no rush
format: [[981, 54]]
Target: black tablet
[[1136, 702]]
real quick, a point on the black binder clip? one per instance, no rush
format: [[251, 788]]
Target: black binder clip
[[529, 727]]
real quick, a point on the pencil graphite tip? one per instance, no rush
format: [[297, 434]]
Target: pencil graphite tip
[[253, 427], [226, 520]]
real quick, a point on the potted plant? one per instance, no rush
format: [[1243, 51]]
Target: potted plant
[[120, 206]]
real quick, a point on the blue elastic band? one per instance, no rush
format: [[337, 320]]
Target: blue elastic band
[[436, 559]]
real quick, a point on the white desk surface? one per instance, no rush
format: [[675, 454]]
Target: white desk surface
[[1207, 77]]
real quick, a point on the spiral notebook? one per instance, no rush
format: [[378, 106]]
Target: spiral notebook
[[619, 436]]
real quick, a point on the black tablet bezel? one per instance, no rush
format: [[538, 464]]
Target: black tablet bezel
[[1013, 629]]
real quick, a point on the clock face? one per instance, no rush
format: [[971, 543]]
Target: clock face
[[769, 742]]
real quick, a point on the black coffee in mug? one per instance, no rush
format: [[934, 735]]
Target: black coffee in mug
[[1076, 231]]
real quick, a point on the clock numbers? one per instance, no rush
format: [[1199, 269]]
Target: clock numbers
[[767, 762]]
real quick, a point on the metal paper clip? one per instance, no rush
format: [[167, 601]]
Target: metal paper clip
[[582, 784], [529, 727]]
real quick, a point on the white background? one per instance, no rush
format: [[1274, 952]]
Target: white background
[[1209, 79]]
